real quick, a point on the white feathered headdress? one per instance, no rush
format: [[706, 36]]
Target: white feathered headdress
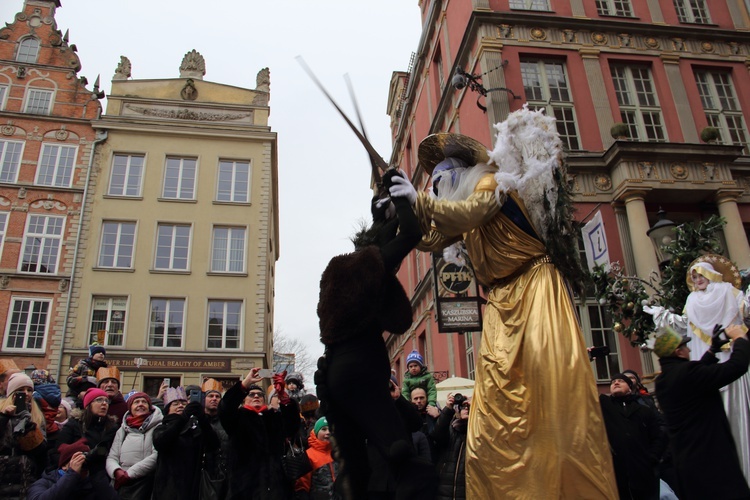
[[528, 151]]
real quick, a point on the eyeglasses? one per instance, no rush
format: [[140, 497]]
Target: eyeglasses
[[180, 402], [101, 401], [255, 394]]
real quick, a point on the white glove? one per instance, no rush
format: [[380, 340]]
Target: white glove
[[653, 311], [402, 187]]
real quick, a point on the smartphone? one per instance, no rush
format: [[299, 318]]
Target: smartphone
[[195, 396], [598, 352], [265, 373], [19, 401], [167, 381]]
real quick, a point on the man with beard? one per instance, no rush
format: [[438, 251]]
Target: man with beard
[[212, 389]]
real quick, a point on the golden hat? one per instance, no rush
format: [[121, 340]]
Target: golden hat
[[723, 266], [667, 342], [108, 372], [436, 147], [8, 364], [211, 384]]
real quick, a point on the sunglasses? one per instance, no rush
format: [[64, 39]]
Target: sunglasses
[[255, 394]]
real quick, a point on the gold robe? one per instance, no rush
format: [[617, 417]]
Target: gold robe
[[535, 427]]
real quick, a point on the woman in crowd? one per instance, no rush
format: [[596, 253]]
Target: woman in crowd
[[449, 438], [132, 458]]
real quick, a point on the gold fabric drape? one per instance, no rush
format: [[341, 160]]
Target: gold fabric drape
[[535, 428]]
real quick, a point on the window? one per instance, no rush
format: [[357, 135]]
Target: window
[[116, 249], [151, 385], [179, 178], [108, 314], [56, 165], [3, 93], [172, 247], [10, 160], [639, 107], [41, 247], [721, 106], [28, 50], [228, 250], [545, 85], [38, 101], [234, 181], [166, 323], [692, 11], [619, 8], [529, 4], [597, 331], [471, 367], [224, 324], [27, 324], [127, 172], [3, 228]]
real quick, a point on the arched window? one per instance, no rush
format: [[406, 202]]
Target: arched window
[[28, 50]]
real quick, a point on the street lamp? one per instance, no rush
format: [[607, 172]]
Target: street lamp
[[662, 234], [29, 370], [462, 79]]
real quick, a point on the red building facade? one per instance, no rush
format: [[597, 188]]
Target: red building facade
[[633, 85], [46, 147]]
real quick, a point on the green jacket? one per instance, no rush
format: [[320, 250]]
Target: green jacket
[[424, 380]]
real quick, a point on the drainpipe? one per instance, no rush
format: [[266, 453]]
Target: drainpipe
[[101, 136]]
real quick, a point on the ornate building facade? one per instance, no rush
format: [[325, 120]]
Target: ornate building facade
[[634, 86]]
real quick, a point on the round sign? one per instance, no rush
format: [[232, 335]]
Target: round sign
[[455, 278]]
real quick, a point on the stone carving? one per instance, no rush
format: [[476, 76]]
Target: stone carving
[[678, 44], [260, 100], [22, 193], [707, 47], [678, 171], [48, 204], [5, 202], [506, 30], [651, 42], [647, 168], [624, 39], [538, 34], [62, 135], [603, 182], [709, 169], [263, 80], [193, 65], [9, 129], [122, 72], [4, 281], [187, 114], [570, 36], [734, 48], [599, 38], [21, 72], [63, 285], [189, 92]]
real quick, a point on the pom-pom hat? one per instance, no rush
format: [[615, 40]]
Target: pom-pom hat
[[415, 357], [322, 422]]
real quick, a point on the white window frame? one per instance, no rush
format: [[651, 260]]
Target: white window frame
[[170, 310], [616, 8], [179, 168], [721, 106], [116, 308], [4, 91], [4, 218], [555, 99], [9, 167], [645, 121], [228, 172], [27, 327], [169, 230], [121, 250], [471, 366], [603, 334], [131, 175], [26, 46], [692, 11], [221, 258], [56, 166], [542, 5], [212, 314], [47, 243], [33, 98]]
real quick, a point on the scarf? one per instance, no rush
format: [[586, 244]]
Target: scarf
[[136, 422], [256, 410]]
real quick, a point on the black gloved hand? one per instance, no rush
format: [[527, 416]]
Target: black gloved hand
[[716, 341], [194, 408], [388, 177], [321, 388]]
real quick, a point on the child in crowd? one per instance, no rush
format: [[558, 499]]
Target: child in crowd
[[318, 483], [417, 376], [83, 375]]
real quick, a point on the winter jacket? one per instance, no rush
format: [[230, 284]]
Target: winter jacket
[[71, 486], [48, 392], [83, 376], [425, 380], [449, 441], [703, 449], [318, 483], [133, 449], [181, 441], [10, 445], [99, 436], [256, 444]]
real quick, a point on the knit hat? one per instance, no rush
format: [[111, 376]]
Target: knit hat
[[625, 378], [137, 395], [308, 403], [68, 407], [41, 377], [297, 378], [668, 342], [414, 356], [212, 385], [322, 422], [68, 450], [106, 372], [637, 382], [18, 380], [174, 394], [394, 380], [91, 395], [94, 348]]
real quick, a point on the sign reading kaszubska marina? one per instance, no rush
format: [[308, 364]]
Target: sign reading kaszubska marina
[[456, 310]]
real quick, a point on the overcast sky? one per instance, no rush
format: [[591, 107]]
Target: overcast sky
[[323, 171]]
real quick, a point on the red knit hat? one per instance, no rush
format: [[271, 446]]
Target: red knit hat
[[91, 395], [136, 395], [68, 450]]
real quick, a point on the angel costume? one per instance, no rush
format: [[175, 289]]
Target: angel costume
[[530, 435], [719, 304]]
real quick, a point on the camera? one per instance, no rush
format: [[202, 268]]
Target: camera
[[458, 400], [195, 396], [598, 352]]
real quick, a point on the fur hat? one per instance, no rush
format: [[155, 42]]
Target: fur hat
[[174, 394], [18, 380], [668, 342], [415, 357], [322, 422], [297, 378], [94, 348], [91, 395], [68, 450], [212, 385], [106, 372], [137, 395]]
